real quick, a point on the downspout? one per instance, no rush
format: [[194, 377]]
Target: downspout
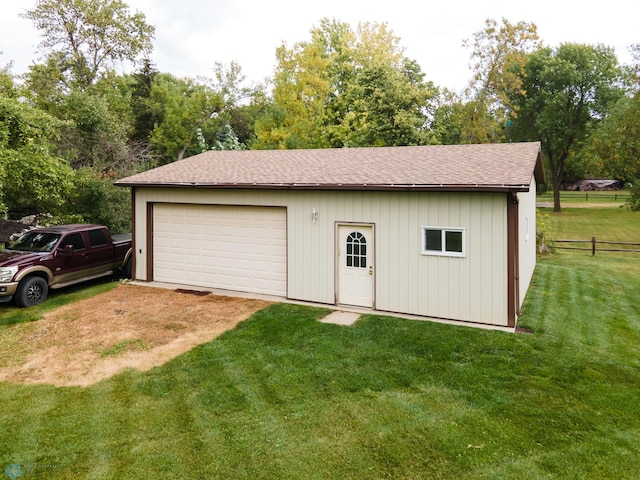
[[149, 242], [513, 260], [133, 233]]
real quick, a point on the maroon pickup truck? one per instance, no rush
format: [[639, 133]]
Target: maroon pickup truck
[[55, 257]]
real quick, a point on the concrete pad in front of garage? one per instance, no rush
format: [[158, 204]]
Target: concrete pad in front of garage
[[341, 318], [355, 311]]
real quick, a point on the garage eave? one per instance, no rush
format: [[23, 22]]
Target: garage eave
[[333, 186]]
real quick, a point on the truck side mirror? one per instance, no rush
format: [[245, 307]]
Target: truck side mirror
[[66, 251]]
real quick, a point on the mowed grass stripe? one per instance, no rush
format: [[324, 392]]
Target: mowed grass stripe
[[446, 402], [284, 396]]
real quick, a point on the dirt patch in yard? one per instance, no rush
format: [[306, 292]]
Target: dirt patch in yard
[[128, 327]]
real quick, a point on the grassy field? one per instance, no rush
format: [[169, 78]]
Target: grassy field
[[284, 396], [611, 224], [606, 224]]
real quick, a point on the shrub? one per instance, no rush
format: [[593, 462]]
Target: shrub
[[543, 233], [94, 199]]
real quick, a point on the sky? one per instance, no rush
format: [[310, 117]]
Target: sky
[[192, 35]]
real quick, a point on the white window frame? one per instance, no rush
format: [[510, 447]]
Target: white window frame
[[443, 252]]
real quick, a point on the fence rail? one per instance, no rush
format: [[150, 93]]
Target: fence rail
[[593, 196], [593, 246], [596, 196]]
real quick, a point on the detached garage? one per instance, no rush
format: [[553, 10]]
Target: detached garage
[[435, 231]]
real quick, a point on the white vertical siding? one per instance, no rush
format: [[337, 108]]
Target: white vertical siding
[[473, 288], [527, 232]]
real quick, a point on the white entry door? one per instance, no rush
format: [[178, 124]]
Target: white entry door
[[355, 265]]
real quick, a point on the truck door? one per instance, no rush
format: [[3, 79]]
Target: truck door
[[71, 266], [100, 251]]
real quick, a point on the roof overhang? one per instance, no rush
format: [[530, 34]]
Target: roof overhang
[[334, 187], [538, 170]]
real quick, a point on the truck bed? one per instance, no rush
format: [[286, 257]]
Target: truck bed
[[121, 238]]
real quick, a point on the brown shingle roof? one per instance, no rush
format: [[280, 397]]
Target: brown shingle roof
[[507, 166]]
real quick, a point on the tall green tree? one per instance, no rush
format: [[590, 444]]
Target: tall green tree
[[613, 150], [45, 86], [565, 92], [465, 121], [146, 113], [498, 54], [233, 125], [181, 117], [635, 68], [100, 123], [386, 107], [85, 38], [346, 87], [93, 198], [187, 107], [7, 92], [97, 132], [34, 179], [301, 89]]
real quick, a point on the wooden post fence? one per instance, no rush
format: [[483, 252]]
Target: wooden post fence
[[621, 246]]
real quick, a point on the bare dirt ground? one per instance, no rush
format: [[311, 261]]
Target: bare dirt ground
[[128, 327]]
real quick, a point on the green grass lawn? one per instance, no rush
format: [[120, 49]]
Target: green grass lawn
[[608, 223], [286, 397]]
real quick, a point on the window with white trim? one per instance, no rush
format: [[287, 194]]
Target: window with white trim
[[443, 241], [356, 250]]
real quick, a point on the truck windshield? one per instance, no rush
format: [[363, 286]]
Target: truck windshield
[[34, 241]]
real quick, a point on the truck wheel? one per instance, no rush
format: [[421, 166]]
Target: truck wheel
[[31, 291], [126, 269]]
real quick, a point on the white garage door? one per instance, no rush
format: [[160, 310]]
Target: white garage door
[[228, 247]]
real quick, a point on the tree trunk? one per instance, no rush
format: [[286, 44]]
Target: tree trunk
[[556, 196]]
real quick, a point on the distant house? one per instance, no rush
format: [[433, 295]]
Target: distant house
[[435, 231], [590, 184]]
